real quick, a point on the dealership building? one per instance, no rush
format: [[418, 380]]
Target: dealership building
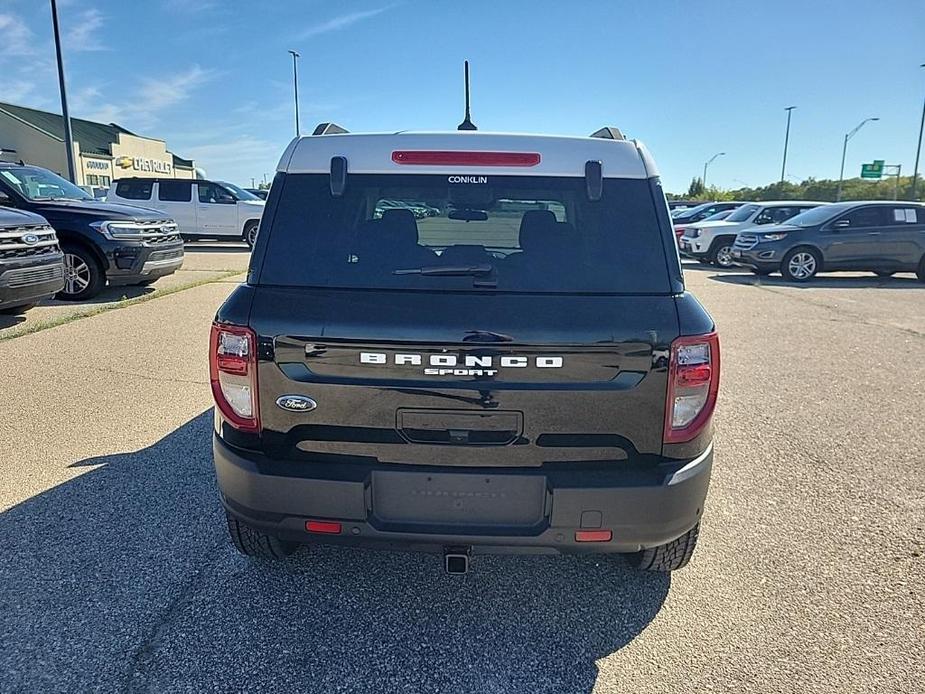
[[102, 153]]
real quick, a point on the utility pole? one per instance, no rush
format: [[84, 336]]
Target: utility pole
[[68, 135], [783, 167], [918, 151], [844, 150], [295, 86], [710, 161]]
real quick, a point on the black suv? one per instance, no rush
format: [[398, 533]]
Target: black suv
[[877, 236], [121, 244], [522, 370], [31, 262]]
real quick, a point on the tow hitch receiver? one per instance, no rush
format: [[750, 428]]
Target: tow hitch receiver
[[456, 559]]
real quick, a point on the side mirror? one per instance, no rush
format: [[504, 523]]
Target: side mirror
[[841, 224], [226, 199], [5, 199]]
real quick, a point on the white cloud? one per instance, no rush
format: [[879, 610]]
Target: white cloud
[[342, 22], [82, 32], [143, 108], [17, 39]]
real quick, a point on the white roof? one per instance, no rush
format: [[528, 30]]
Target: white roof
[[786, 203], [559, 156]]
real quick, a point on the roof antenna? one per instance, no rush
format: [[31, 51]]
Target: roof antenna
[[467, 124]]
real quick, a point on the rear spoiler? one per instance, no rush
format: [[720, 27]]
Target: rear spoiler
[[608, 133]]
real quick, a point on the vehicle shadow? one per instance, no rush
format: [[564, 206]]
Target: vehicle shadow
[[8, 320], [219, 247], [825, 282], [122, 579], [106, 296]]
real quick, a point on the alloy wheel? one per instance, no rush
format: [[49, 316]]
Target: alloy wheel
[[724, 256], [802, 265], [76, 274]]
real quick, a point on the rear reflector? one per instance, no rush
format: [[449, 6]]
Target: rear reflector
[[435, 158], [593, 535], [326, 527]]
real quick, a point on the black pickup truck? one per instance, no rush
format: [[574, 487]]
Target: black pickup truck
[[31, 262], [521, 370]]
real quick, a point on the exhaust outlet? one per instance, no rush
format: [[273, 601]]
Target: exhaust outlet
[[456, 560]]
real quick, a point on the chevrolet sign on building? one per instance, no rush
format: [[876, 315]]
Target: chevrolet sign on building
[[102, 153]]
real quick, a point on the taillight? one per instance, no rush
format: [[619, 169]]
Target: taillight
[[693, 382], [233, 374]]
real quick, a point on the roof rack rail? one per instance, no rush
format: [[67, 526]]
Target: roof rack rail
[[608, 133], [329, 129]]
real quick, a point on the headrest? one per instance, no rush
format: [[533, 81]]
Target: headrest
[[537, 228], [400, 226]]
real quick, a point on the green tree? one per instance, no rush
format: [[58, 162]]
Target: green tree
[[695, 190]]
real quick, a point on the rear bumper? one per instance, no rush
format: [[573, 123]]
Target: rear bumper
[[642, 508]]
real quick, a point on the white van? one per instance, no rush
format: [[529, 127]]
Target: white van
[[202, 209]]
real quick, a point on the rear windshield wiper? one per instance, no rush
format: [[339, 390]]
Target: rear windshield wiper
[[449, 270]]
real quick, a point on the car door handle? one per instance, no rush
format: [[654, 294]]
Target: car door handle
[[873, 233]]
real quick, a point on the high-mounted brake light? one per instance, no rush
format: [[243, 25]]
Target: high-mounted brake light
[[437, 158], [693, 383], [233, 375]]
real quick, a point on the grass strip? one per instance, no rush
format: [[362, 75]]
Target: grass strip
[[38, 326]]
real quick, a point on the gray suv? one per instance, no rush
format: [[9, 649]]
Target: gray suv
[[881, 237]]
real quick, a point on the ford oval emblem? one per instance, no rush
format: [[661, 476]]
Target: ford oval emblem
[[296, 403], [30, 239]]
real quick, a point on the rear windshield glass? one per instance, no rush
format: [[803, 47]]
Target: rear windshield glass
[[438, 232]]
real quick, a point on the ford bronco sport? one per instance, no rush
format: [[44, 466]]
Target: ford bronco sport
[[520, 370]]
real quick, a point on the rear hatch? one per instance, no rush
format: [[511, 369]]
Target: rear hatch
[[510, 323]]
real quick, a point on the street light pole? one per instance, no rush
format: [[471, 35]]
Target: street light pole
[[918, 151], [783, 167], [710, 161], [295, 85], [844, 151], [68, 135]]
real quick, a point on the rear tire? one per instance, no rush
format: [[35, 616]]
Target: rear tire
[[250, 233], [83, 275], [920, 273], [254, 543], [801, 264], [671, 556]]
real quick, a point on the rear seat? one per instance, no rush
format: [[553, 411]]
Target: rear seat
[[392, 242], [543, 242]]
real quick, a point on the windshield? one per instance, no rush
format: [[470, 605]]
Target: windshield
[[238, 193], [35, 183], [510, 233], [718, 217], [742, 214], [816, 215]]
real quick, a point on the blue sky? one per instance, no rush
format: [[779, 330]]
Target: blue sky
[[690, 79]]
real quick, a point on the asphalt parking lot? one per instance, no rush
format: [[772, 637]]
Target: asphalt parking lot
[[809, 577]]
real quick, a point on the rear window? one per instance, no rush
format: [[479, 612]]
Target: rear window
[[134, 190], [436, 232]]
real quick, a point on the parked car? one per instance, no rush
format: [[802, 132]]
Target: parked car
[[682, 204], [202, 209], [719, 216], [261, 193], [102, 241], [682, 219], [507, 375], [711, 242], [879, 236], [31, 262]]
